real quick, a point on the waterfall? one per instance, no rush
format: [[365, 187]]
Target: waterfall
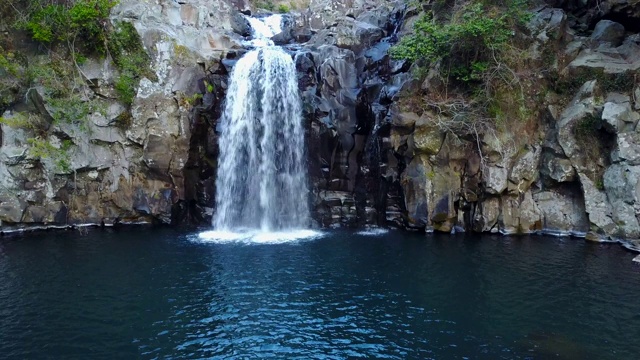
[[264, 29], [261, 185]]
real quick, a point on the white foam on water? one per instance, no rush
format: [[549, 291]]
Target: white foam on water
[[373, 232], [258, 237], [263, 29]]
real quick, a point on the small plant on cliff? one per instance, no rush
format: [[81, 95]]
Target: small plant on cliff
[[586, 127], [8, 65], [18, 121], [267, 5], [283, 9], [466, 44], [210, 86], [9, 78], [125, 46], [42, 149], [473, 59], [72, 110]]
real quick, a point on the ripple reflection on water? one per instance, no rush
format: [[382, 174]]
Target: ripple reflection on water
[[164, 294]]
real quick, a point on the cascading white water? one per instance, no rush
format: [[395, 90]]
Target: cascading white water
[[261, 184], [263, 29], [261, 179]]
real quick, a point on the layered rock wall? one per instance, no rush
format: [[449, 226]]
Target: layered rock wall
[[377, 155]]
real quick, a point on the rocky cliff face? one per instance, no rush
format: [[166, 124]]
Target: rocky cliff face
[[121, 163], [559, 170], [377, 155], [568, 167]]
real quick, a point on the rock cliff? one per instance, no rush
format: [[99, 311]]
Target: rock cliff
[[381, 150]]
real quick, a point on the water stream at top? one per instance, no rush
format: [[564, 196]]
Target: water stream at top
[[261, 187]]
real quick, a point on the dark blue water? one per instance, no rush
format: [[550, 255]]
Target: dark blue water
[[143, 293]]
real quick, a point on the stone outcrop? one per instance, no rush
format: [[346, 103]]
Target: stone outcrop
[[388, 159], [122, 163]]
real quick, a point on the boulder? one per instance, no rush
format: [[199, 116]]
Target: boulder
[[627, 148], [240, 24], [325, 13], [525, 170], [612, 60], [487, 215], [520, 215], [349, 34], [416, 185], [619, 117], [11, 208], [563, 211], [556, 168], [495, 179], [597, 207], [426, 137], [405, 119], [608, 31], [622, 183]]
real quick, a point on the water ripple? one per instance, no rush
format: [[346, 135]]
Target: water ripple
[[395, 296]]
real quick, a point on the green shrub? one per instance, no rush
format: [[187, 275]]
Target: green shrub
[[71, 110], [283, 9], [125, 46], [468, 42], [18, 121], [56, 75], [8, 65], [267, 5], [75, 20], [41, 148], [126, 88], [586, 127]]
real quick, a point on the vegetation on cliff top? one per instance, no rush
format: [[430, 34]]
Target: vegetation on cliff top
[[467, 40], [65, 33], [472, 57], [74, 30], [69, 22]]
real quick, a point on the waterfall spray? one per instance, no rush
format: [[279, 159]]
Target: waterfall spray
[[261, 182]]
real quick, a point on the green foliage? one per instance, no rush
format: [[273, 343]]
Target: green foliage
[[10, 73], [8, 65], [210, 87], [45, 23], [71, 110], [468, 42], [124, 120], [41, 148], [17, 121], [71, 21], [56, 77], [126, 88], [125, 46], [190, 101], [267, 5], [283, 9], [621, 82]]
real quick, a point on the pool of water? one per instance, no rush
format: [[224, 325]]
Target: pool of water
[[167, 293]]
